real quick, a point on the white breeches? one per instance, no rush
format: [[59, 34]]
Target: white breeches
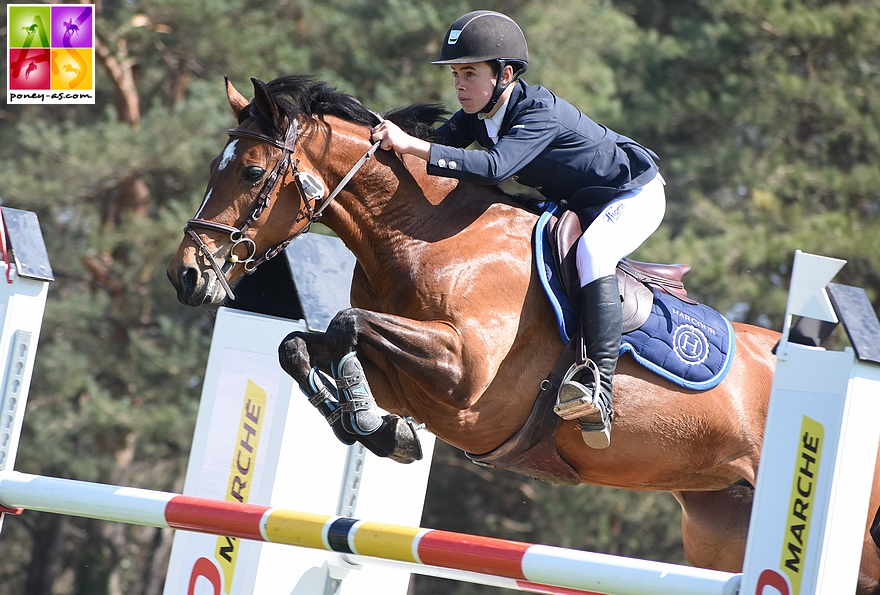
[[622, 226]]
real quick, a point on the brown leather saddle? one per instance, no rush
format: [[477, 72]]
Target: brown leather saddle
[[532, 450], [636, 279]]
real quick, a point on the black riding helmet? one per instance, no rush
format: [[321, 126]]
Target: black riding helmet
[[486, 36]]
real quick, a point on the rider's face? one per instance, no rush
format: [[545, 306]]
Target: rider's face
[[474, 84]]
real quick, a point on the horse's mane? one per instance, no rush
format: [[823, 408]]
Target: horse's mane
[[301, 96]]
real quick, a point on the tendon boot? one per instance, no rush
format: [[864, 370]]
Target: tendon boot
[[360, 415], [386, 435], [321, 396], [585, 392]]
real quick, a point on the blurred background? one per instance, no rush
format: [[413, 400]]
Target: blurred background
[[765, 113]]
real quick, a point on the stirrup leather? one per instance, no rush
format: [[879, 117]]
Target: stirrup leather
[[581, 400]]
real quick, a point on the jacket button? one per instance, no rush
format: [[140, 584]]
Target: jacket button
[[539, 188], [441, 163], [452, 165], [514, 178]]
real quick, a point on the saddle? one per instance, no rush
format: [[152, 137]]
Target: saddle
[[636, 279], [532, 450]]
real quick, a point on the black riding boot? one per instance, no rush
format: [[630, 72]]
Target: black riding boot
[[585, 392]]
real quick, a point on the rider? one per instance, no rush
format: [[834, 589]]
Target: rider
[[537, 139]]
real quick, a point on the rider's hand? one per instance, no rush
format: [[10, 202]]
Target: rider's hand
[[391, 137]]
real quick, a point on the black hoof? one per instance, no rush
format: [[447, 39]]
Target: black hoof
[[396, 439]]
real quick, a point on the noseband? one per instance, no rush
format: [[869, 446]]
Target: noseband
[[311, 191]]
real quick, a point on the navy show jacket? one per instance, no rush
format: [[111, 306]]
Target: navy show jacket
[[546, 143]]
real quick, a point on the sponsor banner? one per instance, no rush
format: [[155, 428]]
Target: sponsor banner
[[233, 466]]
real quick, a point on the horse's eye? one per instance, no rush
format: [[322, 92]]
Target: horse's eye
[[252, 173]]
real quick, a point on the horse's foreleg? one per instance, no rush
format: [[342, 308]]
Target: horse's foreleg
[[869, 570], [429, 352], [301, 355], [715, 526]]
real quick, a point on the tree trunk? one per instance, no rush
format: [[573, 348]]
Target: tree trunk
[[47, 559]]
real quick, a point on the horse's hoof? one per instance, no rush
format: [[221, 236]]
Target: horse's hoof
[[407, 446], [396, 439]]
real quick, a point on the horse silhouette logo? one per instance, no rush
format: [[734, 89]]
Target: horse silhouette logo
[[70, 28]]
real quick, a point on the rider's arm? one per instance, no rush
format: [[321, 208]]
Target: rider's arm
[[391, 137], [532, 130]]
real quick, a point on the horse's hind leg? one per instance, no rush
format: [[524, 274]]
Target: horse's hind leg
[[301, 355], [715, 526]]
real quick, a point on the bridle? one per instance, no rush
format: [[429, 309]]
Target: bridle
[[310, 187]]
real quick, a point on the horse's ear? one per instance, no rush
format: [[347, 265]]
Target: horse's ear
[[236, 100], [266, 103]]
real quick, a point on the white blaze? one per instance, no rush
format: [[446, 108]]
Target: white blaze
[[204, 202], [228, 154]]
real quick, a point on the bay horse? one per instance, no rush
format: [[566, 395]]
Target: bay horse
[[449, 320]]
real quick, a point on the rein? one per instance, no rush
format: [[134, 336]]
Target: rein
[[311, 190]]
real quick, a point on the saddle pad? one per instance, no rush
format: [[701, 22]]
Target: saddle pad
[[566, 315], [689, 345]]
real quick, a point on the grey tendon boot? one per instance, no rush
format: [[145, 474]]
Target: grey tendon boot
[[360, 414], [585, 392]]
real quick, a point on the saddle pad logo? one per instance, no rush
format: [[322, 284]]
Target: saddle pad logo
[[690, 345]]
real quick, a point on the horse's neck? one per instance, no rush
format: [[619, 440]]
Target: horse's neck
[[380, 210], [383, 212], [392, 211]]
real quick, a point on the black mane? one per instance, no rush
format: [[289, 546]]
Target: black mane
[[301, 96]]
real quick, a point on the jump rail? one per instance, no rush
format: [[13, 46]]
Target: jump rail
[[530, 567]]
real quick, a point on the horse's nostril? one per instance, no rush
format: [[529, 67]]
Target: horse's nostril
[[189, 279]]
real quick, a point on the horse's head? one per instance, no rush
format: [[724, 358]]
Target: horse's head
[[272, 179], [234, 229]]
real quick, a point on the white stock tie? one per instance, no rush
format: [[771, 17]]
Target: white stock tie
[[492, 129]]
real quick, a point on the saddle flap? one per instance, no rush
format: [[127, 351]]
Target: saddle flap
[[637, 301], [564, 234]]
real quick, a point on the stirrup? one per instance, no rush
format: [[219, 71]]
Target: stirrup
[[361, 413], [574, 400]]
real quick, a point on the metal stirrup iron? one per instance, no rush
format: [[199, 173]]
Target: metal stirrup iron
[[581, 400]]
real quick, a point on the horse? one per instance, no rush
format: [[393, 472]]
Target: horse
[[448, 318], [70, 28]]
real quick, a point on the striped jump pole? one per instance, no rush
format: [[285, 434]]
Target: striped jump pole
[[528, 567]]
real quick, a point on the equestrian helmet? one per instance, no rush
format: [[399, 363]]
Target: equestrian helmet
[[484, 36]]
